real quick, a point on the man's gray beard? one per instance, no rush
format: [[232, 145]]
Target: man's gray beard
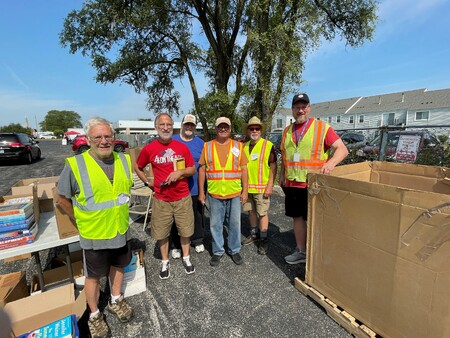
[[165, 136], [188, 133], [254, 138]]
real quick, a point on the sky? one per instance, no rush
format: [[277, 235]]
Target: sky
[[410, 50]]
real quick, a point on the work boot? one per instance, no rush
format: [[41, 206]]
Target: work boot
[[98, 327], [121, 309], [263, 246], [253, 237]]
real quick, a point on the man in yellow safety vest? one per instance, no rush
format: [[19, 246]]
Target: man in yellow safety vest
[[94, 190], [224, 165], [305, 147], [262, 169]]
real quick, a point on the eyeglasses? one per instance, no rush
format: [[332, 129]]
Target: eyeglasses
[[300, 107], [226, 127], [254, 129], [98, 139]]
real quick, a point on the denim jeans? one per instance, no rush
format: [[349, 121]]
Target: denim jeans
[[225, 211]]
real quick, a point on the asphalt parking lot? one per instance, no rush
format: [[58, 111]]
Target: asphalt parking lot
[[256, 299]]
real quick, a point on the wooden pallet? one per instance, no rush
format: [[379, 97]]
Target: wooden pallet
[[340, 316]]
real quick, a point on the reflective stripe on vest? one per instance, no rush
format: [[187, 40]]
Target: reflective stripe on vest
[[223, 180], [258, 171], [310, 148]]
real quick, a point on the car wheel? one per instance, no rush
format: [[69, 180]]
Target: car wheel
[[119, 148], [28, 159], [82, 149]]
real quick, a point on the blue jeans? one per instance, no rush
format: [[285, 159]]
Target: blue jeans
[[229, 211]]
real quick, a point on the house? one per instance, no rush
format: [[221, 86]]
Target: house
[[143, 127], [408, 109]]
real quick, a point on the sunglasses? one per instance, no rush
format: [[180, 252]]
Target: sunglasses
[[254, 129]]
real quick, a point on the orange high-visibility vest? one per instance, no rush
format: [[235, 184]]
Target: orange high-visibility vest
[[258, 167], [310, 150], [223, 181]]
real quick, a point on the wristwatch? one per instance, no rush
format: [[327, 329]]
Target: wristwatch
[[146, 184]]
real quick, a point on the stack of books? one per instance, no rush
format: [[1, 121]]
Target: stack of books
[[17, 223]]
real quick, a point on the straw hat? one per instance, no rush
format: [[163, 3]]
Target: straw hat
[[254, 121]]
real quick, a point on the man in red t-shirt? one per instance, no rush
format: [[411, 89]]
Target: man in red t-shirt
[[297, 143], [171, 163]]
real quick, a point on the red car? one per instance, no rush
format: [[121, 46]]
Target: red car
[[80, 144]]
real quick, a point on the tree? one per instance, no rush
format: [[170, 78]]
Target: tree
[[15, 128], [57, 120], [250, 51]]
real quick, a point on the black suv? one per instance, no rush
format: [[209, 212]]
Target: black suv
[[18, 146]]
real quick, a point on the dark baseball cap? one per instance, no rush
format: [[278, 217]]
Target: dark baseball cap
[[300, 97]]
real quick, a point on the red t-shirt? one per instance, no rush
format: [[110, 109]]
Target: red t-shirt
[[330, 138], [161, 157]]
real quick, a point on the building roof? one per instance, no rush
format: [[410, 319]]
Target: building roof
[[407, 100]]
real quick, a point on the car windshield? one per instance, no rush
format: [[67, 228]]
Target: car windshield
[[8, 138]]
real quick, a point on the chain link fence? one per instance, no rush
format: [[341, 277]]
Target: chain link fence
[[428, 145]]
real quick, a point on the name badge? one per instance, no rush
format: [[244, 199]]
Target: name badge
[[235, 151], [123, 199], [296, 157], [254, 157]]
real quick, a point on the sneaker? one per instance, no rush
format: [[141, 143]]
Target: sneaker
[[215, 260], [176, 253], [250, 239], [188, 267], [98, 327], [237, 259], [263, 246], [296, 257], [121, 309], [199, 248], [164, 273]]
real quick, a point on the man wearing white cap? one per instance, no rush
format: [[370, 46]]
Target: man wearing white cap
[[262, 169], [224, 165], [305, 146], [195, 145]]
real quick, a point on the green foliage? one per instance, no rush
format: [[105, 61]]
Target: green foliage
[[15, 128], [250, 52], [60, 120]]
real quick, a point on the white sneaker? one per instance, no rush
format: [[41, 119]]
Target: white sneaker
[[176, 253], [199, 248]]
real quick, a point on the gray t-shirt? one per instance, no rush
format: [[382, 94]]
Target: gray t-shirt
[[68, 187]]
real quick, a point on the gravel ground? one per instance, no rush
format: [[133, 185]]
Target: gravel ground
[[256, 299]]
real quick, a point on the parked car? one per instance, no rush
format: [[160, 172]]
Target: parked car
[[353, 140], [80, 144], [428, 143], [275, 138], [18, 146]]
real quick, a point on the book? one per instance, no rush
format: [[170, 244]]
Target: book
[[18, 240], [11, 209], [9, 232], [22, 223]]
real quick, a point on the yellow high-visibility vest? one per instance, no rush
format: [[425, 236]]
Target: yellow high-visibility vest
[[101, 208], [258, 165], [223, 181], [309, 150]]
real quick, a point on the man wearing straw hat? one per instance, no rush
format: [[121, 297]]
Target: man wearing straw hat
[[262, 169]]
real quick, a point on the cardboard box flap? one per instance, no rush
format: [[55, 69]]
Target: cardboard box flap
[[36, 311], [44, 184]]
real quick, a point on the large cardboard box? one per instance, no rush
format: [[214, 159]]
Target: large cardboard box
[[379, 245], [13, 286], [45, 187], [66, 226], [33, 312]]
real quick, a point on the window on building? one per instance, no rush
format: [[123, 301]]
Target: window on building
[[361, 118], [338, 119], [350, 119], [329, 119], [422, 115], [279, 123]]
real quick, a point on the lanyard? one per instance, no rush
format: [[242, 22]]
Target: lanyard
[[297, 137]]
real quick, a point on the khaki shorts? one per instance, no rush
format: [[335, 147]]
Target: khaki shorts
[[165, 213], [258, 203]]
